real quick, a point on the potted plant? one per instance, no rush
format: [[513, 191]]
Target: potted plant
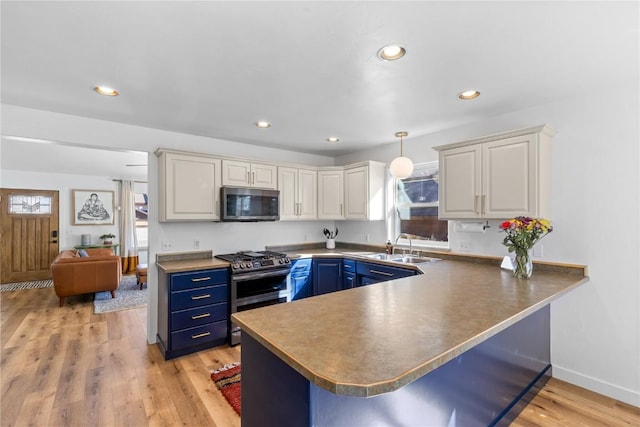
[[107, 239]]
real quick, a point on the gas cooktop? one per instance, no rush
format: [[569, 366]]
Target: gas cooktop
[[255, 260]]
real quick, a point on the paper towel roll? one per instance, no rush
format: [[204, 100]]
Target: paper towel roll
[[469, 227]]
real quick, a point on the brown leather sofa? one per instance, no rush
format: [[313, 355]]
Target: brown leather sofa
[[76, 275]]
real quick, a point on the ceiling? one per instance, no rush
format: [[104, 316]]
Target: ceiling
[[310, 68]]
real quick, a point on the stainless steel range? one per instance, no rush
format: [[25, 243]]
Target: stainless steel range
[[258, 279]]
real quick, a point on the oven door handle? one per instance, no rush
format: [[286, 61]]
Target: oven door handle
[[260, 275]]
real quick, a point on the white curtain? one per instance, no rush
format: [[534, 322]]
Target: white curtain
[[128, 237]]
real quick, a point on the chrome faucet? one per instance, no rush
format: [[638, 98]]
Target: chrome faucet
[[406, 236]]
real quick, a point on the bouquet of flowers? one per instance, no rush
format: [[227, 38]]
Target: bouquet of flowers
[[522, 233]]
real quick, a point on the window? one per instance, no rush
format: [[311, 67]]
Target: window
[[417, 207], [27, 204], [142, 218]]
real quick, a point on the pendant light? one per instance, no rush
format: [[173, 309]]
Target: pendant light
[[401, 167]]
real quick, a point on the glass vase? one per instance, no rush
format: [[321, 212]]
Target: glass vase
[[522, 264]]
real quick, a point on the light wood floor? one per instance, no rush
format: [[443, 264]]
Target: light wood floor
[[70, 367]]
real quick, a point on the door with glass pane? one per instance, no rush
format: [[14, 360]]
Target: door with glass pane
[[29, 239]]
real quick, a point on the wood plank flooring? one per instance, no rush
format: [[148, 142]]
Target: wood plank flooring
[[69, 367]]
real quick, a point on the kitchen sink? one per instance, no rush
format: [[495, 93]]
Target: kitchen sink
[[383, 257], [414, 259], [401, 258]]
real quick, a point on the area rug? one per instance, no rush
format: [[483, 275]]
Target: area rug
[[227, 379], [128, 295], [26, 285]]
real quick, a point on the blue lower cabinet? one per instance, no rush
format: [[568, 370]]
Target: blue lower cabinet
[[327, 275], [300, 279], [348, 273], [350, 280], [193, 311], [368, 273]]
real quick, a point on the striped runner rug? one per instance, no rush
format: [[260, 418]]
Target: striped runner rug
[[227, 379], [6, 287]]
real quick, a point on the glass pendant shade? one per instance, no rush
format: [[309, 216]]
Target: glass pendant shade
[[401, 167]]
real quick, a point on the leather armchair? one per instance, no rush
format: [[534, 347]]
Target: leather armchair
[[76, 275]]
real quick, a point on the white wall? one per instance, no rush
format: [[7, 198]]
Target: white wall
[[595, 334]]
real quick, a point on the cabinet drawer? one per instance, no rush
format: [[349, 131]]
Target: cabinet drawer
[[198, 335], [198, 279], [383, 272], [199, 316], [301, 266], [349, 266], [198, 297]]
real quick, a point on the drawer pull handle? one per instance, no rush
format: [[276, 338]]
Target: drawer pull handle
[[347, 266], [201, 316], [381, 272], [201, 279], [300, 267], [205, 334], [200, 297]]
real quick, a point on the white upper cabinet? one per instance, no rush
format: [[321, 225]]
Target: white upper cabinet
[[189, 187], [298, 193], [331, 194], [364, 191], [245, 174], [497, 177]]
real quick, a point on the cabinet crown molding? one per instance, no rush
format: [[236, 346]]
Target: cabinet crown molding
[[544, 129]]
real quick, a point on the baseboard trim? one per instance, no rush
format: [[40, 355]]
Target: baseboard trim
[[631, 397]]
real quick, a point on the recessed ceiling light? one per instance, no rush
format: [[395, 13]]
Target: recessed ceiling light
[[333, 139], [105, 90], [469, 94], [263, 124], [392, 52]]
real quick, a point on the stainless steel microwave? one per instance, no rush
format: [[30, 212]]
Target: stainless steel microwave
[[249, 204]]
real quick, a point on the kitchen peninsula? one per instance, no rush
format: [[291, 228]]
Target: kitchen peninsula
[[459, 345]]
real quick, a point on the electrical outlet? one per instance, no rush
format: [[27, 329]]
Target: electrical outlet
[[464, 245], [537, 251], [196, 244], [306, 237], [166, 246], [367, 237]]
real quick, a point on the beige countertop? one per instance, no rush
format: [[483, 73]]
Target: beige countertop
[[375, 339], [183, 265]]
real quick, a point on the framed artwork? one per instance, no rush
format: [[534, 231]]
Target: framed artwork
[[92, 207]]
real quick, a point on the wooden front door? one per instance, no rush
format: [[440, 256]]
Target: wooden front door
[[28, 234]]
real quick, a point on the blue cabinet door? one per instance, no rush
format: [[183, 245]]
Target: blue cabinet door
[[300, 279], [349, 280], [349, 274], [327, 275]]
